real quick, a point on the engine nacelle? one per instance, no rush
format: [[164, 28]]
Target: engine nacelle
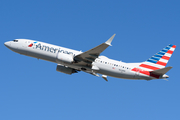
[[65, 70], [64, 58]]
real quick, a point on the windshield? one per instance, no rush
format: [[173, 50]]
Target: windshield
[[15, 40]]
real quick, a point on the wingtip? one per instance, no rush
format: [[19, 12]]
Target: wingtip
[[110, 40]]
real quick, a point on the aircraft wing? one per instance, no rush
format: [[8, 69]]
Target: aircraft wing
[[86, 58]]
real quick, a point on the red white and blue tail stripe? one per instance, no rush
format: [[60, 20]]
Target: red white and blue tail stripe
[[159, 60]]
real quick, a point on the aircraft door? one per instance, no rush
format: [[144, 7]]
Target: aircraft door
[[25, 44]]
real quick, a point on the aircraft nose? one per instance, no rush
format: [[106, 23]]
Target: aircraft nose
[[7, 44]]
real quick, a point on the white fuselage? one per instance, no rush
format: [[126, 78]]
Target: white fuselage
[[101, 65]]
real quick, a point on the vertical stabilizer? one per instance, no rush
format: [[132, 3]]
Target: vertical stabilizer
[[159, 60]]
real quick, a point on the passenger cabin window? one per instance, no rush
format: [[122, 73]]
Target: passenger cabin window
[[15, 40]]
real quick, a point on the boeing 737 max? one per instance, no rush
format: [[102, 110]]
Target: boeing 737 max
[[71, 61]]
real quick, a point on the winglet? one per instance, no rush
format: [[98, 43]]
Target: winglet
[[108, 42]]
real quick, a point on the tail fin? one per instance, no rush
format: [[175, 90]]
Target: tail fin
[[159, 60]]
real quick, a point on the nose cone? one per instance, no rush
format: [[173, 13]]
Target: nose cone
[[7, 44]]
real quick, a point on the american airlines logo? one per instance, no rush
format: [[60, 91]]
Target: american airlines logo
[[51, 49], [31, 44]]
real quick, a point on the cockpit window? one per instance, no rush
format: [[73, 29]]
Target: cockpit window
[[15, 40]]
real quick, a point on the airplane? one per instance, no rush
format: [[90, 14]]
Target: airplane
[[72, 61]]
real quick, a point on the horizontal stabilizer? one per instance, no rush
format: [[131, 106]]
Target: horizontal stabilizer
[[161, 71]]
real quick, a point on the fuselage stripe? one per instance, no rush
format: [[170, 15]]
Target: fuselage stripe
[[145, 72], [161, 63], [165, 57], [149, 67], [174, 46], [169, 51]]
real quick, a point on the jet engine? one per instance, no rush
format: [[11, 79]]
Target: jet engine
[[64, 58], [66, 70]]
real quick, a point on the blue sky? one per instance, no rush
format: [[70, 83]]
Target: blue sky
[[32, 89]]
